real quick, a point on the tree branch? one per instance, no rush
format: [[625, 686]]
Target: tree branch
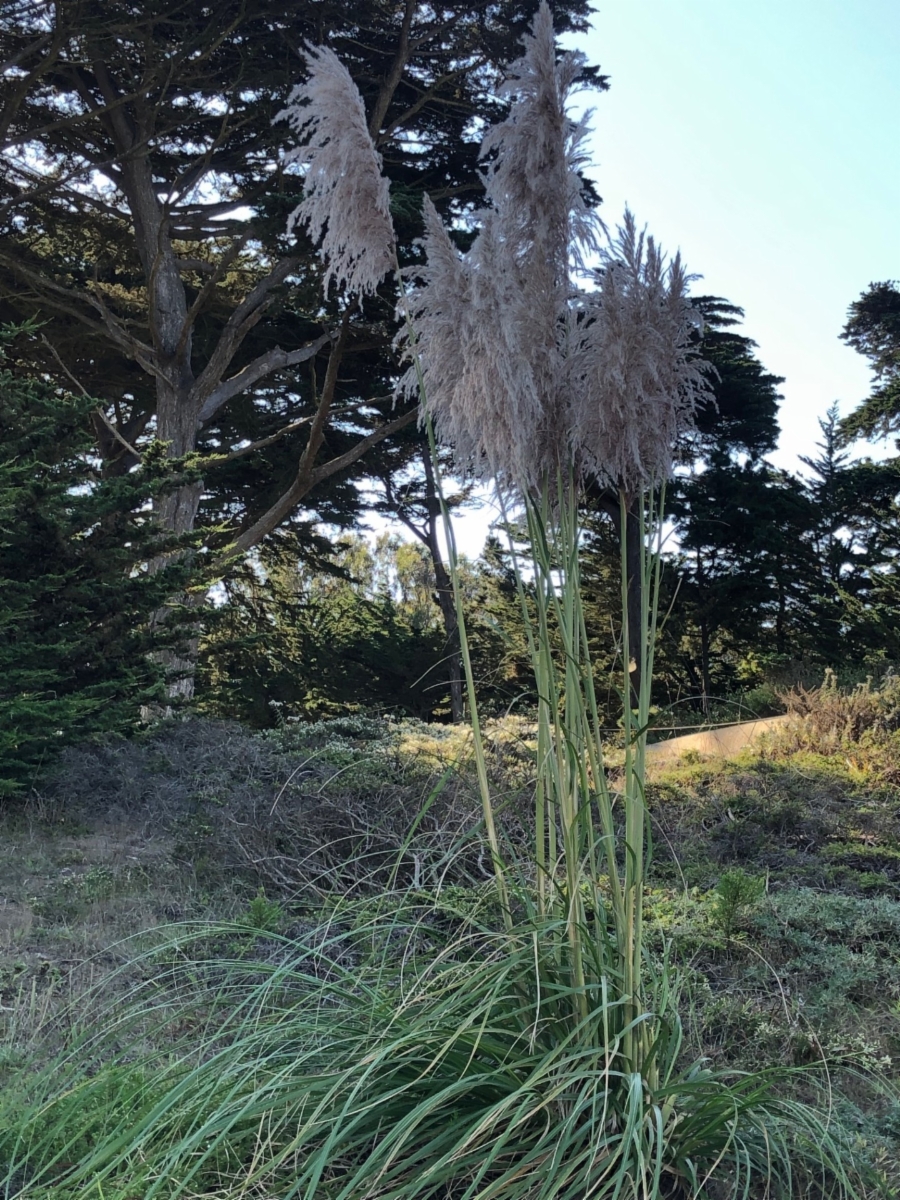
[[66, 300], [238, 325], [273, 360], [395, 74], [301, 487], [216, 273], [217, 460], [323, 409], [353, 455]]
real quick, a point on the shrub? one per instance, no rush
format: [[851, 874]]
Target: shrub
[[75, 605], [829, 716]]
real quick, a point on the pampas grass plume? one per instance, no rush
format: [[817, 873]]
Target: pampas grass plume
[[640, 380], [478, 389], [346, 203], [492, 326], [522, 373]]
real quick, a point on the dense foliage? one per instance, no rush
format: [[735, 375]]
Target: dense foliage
[[76, 604], [772, 576], [152, 240]]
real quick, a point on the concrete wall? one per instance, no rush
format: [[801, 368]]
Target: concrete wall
[[715, 743]]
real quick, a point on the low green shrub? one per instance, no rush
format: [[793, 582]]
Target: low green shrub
[[736, 893]]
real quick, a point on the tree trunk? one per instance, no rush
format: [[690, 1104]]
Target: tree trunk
[[176, 513], [177, 409], [445, 597], [705, 674], [705, 637]]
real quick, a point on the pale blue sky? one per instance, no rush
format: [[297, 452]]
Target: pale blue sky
[[763, 138]]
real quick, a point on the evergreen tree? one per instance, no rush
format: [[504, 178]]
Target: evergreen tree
[[295, 640], [151, 235], [747, 569], [873, 328], [872, 490], [143, 205], [75, 595]]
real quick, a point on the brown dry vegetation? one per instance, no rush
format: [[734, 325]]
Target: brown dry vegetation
[[777, 876]]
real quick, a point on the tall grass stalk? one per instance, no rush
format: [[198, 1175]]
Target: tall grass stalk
[[480, 758], [573, 798], [431, 1066]]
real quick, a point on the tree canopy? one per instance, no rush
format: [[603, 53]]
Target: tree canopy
[[143, 198], [873, 328]]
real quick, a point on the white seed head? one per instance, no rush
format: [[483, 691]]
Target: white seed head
[[346, 204], [639, 380], [492, 326], [535, 155], [474, 385], [522, 373]]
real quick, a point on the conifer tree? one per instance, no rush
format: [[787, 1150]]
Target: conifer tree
[[151, 234], [75, 595], [873, 328]]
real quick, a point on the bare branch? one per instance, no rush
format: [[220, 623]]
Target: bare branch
[[395, 74], [218, 460], [15, 95], [400, 510], [216, 273], [238, 325], [289, 501], [356, 452], [118, 436], [308, 476], [24, 53], [200, 265], [98, 413], [323, 409], [431, 93], [65, 370], [73, 302], [273, 360]]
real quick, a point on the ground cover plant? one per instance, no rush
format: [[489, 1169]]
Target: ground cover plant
[[526, 1039], [83, 872]]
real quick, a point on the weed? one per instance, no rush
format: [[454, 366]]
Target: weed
[[262, 914], [736, 893]]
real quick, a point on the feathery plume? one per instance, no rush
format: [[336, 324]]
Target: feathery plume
[[640, 379], [492, 326], [533, 180], [346, 201], [470, 366]]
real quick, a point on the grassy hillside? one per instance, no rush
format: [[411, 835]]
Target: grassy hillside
[[776, 889]]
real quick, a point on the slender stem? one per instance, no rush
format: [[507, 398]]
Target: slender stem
[[484, 786]]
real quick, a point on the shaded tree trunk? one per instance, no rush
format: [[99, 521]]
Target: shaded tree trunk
[[445, 597], [422, 517]]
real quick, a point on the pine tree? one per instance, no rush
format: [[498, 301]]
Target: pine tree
[[872, 502], [75, 595], [873, 328]]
